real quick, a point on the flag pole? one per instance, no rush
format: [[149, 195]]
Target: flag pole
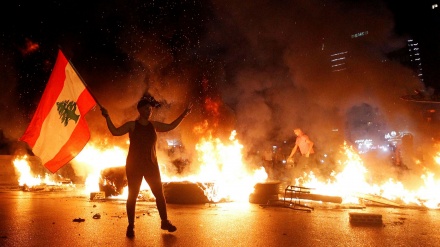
[[83, 82], [87, 86]]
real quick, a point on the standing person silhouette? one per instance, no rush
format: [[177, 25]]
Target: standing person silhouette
[[305, 146], [302, 142], [142, 160]]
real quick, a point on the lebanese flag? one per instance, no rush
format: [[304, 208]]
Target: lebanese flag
[[58, 130]]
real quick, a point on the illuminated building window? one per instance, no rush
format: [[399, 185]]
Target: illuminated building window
[[336, 59], [340, 53], [360, 34], [415, 59], [339, 70]]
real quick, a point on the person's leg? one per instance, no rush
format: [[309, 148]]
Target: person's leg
[[156, 187], [312, 163], [304, 164], [134, 180], [155, 184], [293, 173]]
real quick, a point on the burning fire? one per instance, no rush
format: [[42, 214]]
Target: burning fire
[[26, 178], [351, 184], [223, 165], [221, 168], [227, 177], [92, 160]]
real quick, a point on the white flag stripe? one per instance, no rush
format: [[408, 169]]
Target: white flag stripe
[[55, 133]]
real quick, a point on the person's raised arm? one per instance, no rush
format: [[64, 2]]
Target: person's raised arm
[[293, 152], [123, 129], [164, 127]]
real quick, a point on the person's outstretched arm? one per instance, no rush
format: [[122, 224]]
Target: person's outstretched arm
[[164, 127], [123, 129], [293, 152]]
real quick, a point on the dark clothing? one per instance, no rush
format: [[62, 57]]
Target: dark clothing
[[142, 163], [303, 165], [142, 151]]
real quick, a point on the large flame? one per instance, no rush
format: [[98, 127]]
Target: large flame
[[222, 164], [221, 167], [93, 159], [352, 183], [26, 176]]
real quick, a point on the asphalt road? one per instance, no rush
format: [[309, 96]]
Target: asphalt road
[[47, 219]]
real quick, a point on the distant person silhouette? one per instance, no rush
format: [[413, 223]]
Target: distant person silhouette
[[302, 142], [305, 146]]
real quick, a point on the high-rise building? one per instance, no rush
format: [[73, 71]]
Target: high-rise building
[[420, 21], [338, 61], [415, 60], [410, 56]]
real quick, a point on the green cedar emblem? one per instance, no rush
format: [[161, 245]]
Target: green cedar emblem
[[67, 109]]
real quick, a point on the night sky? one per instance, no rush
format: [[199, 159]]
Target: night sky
[[263, 63]]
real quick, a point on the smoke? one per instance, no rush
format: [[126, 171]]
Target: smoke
[[278, 69], [266, 63], [10, 126], [286, 63]]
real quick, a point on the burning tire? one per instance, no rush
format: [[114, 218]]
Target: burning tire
[[184, 193], [113, 180], [262, 198], [265, 192]]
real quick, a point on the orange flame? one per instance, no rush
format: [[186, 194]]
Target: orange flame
[[351, 184], [223, 165], [220, 167], [26, 177], [212, 106], [92, 160]]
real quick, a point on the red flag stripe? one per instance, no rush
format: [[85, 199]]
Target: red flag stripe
[[58, 130], [85, 102], [48, 99], [56, 133]]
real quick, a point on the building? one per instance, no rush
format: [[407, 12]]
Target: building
[[420, 21]]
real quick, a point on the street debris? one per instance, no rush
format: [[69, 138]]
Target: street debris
[[378, 199], [97, 195], [292, 199], [48, 187], [78, 220], [365, 218], [186, 192]]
